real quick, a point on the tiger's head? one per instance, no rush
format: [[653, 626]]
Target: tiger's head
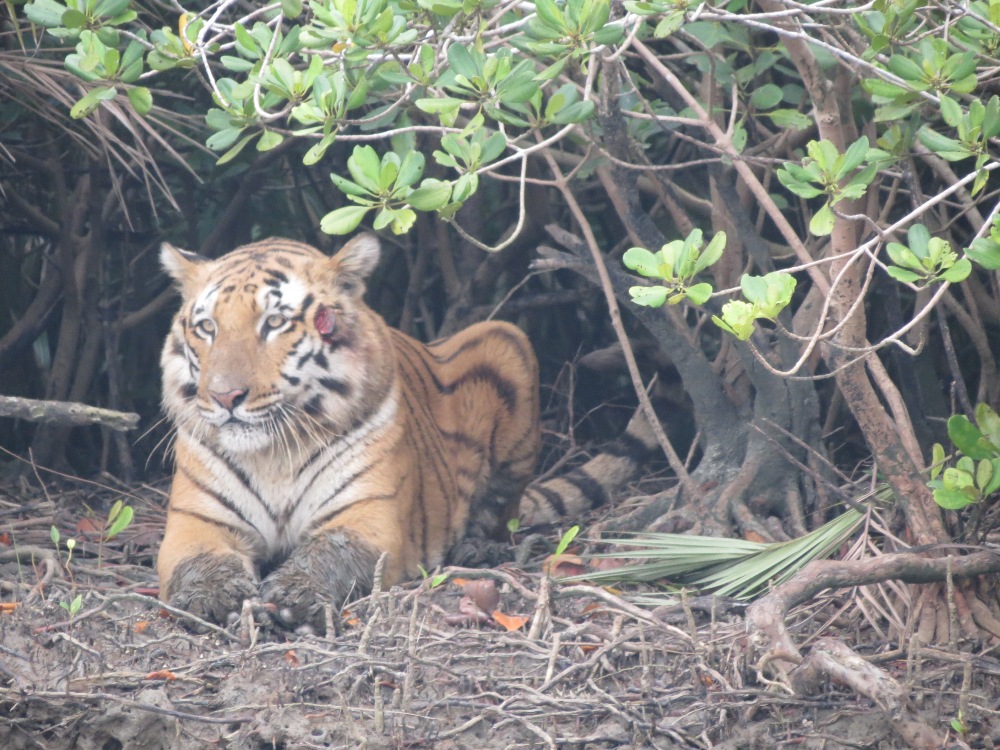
[[273, 347]]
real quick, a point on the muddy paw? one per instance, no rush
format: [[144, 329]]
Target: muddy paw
[[211, 587], [326, 569]]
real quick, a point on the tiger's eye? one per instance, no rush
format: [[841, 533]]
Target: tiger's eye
[[205, 326], [275, 320]]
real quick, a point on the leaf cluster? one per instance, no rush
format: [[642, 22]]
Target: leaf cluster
[[976, 473], [675, 265], [925, 259], [827, 172]]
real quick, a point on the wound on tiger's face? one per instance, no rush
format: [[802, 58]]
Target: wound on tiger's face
[[268, 339]]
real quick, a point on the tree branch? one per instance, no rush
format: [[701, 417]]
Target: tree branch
[[66, 413]]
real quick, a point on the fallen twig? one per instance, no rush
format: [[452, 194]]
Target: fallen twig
[[66, 413]]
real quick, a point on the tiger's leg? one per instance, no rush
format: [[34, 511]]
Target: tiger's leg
[[485, 542], [336, 562], [203, 569]]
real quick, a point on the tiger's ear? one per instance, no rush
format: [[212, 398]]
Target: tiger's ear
[[355, 262], [185, 267]]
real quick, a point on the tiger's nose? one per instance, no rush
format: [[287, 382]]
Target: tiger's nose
[[231, 399]]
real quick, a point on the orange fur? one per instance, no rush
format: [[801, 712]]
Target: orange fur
[[301, 416]]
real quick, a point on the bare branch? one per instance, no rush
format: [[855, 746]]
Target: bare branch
[[66, 413]]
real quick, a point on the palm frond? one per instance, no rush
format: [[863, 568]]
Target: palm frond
[[731, 567]]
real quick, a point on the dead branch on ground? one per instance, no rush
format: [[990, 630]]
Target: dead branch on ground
[[66, 413]]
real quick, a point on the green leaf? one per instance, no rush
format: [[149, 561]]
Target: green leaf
[[120, 522], [318, 150], [780, 288], [110, 8], [550, 15], [411, 169], [430, 196], [573, 113], [951, 112], [246, 45], [649, 296], [901, 256], [737, 318], [365, 167], [988, 422], [958, 272], [236, 149], [670, 23], [464, 187], [712, 252], [984, 473], [789, 118], [906, 69], [824, 153], [291, 8], [236, 64], [798, 180], [269, 139], [91, 101], [918, 237], [568, 537], [986, 253], [994, 484], [348, 187], [492, 147], [884, 89], [754, 288], [343, 220], [383, 219], [45, 13], [402, 220], [991, 117], [967, 437], [699, 293], [951, 499], [73, 19], [388, 171], [856, 153], [552, 71], [141, 99], [223, 139], [823, 221], [937, 460], [945, 147], [438, 106], [903, 275], [462, 61], [643, 262], [767, 96], [739, 140]]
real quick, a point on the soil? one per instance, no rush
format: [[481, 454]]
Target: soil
[[551, 665]]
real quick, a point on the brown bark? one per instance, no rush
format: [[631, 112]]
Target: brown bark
[[766, 616], [891, 440]]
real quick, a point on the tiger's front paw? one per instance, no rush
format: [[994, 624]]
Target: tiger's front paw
[[326, 569], [211, 587]]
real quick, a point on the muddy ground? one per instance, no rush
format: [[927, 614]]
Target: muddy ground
[[557, 666]]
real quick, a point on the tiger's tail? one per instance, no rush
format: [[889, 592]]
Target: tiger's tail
[[594, 483]]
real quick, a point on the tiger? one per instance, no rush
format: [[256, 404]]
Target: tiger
[[313, 439]]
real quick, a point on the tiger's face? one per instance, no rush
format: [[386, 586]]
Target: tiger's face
[[273, 348]]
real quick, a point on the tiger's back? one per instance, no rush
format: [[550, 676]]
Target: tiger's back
[[472, 418]]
